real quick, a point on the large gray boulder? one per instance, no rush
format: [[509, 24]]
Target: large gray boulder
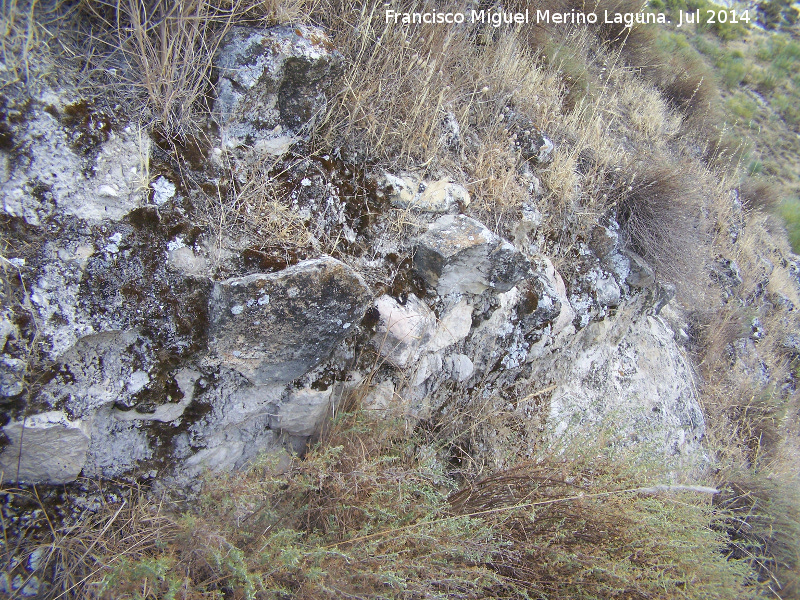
[[277, 327], [459, 254], [271, 83], [624, 378]]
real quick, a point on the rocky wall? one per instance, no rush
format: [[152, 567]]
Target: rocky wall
[[139, 340]]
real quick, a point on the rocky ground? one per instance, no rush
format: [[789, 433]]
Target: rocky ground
[[176, 306]]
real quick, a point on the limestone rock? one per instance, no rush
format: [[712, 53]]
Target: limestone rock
[[607, 292], [410, 192], [12, 371], [626, 376], [459, 254], [531, 143], [640, 275], [52, 172], [403, 330], [539, 303], [271, 83], [603, 241], [459, 366], [380, 397], [567, 313], [277, 327], [304, 411], [47, 448], [453, 327], [171, 411]]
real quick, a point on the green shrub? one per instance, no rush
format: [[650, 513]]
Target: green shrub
[[788, 105], [774, 14], [368, 514], [733, 68], [742, 106], [767, 80], [755, 167]]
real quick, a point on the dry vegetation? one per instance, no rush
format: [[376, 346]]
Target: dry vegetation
[[368, 513]]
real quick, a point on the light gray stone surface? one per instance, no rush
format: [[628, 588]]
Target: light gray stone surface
[[272, 83], [625, 378], [403, 330], [408, 191], [45, 448], [459, 254], [50, 174]]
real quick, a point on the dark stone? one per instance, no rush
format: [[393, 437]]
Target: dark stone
[[274, 328]]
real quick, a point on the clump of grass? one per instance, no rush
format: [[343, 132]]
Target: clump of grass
[[733, 67], [786, 105], [682, 75], [165, 49], [790, 211], [762, 520], [571, 539], [742, 106], [162, 52], [660, 209], [24, 38], [758, 193]]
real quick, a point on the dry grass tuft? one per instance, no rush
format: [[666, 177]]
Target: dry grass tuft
[[759, 194], [568, 527], [161, 52], [763, 523], [26, 32], [661, 208], [430, 99], [74, 560]]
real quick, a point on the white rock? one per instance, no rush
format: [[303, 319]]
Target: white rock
[[380, 397], [163, 190], [272, 82], [409, 192], [171, 411], [460, 367], [453, 327], [567, 314], [625, 377], [459, 254], [305, 411], [430, 364], [47, 448], [114, 189], [403, 329]]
